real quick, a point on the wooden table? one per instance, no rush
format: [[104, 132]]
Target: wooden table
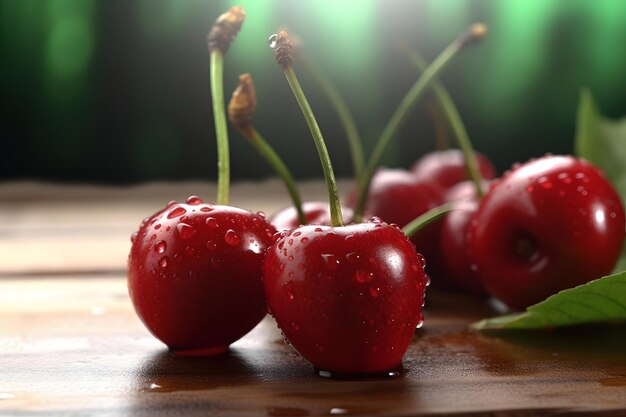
[[71, 344]]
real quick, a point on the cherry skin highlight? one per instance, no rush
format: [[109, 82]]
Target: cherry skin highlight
[[194, 275], [447, 168], [316, 212], [347, 298], [547, 225]]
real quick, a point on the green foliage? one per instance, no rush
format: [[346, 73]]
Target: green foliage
[[602, 300]]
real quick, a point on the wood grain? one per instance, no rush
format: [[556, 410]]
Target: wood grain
[[55, 229], [71, 344]]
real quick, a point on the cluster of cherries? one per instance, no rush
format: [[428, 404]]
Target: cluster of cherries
[[349, 297], [549, 224]]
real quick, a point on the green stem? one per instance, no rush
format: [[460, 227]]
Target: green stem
[[221, 130], [456, 123], [343, 111], [411, 97], [270, 155], [331, 184], [427, 218]]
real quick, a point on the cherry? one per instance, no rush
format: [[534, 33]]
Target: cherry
[[315, 212], [451, 267], [550, 224], [448, 168], [397, 197], [194, 275], [347, 298], [194, 269]]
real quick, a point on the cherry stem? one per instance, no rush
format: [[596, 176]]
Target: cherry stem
[[442, 139], [241, 109], [469, 37], [270, 155], [336, 218], [221, 130], [219, 39], [343, 112], [427, 218], [453, 117], [283, 54]]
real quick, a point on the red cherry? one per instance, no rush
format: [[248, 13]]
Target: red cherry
[[316, 212], [194, 275], [454, 269], [448, 167], [451, 268], [550, 224], [348, 298], [397, 197]]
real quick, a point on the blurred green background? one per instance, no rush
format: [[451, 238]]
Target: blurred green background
[[117, 91]]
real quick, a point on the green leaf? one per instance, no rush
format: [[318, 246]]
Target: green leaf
[[603, 142], [602, 300]]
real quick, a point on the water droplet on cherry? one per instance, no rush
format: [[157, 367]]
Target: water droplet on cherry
[[212, 222], [194, 200], [163, 262], [210, 245], [353, 257], [421, 260], [185, 231], [330, 260], [176, 212], [363, 276], [133, 237], [160, 246], [231, 238], [272, 41], [374, 291]]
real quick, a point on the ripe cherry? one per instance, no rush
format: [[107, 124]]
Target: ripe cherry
[[550, 224], [450, 268], [397, 197], [194, 275], [347, 298], [448, 168]]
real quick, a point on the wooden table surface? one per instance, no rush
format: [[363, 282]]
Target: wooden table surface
[[71, 344]]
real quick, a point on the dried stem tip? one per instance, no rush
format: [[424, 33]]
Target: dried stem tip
[[242, 104], [474, 34], [225, 29], [282, 48]]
